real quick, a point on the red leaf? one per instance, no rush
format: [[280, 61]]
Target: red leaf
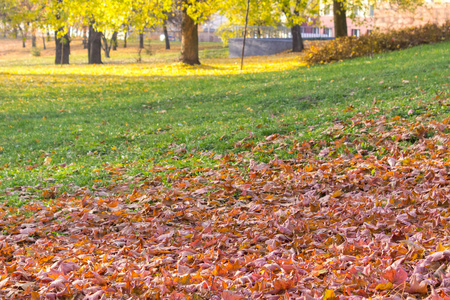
[[396, 276], [227, 295]]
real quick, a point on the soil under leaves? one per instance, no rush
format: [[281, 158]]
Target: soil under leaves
[[362, 214]]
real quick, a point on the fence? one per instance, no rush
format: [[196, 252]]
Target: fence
[[265, 32]]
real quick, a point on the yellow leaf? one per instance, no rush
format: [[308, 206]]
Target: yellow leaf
[[185, 280], [384, 286], [439, 247], [336, 194], [329, 295]]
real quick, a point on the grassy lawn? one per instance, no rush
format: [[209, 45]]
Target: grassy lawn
[[78, 126]]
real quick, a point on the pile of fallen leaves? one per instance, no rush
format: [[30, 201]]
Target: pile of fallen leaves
[[365, 214]]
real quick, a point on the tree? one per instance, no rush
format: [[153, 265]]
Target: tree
[[166, 35], [296, 12], [340, 18], [94, 45], [99, 17], [109, 40], [174, 18], [19, 15], [343, 9], [62, 39], [269, 13], [189, 39], [56, 14], [261, 13], [193, 12], [146, 14]]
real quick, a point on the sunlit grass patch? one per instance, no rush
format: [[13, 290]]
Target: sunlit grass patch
[[209, 67]]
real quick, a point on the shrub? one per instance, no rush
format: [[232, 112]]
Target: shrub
[[377, 42], [35, 51]]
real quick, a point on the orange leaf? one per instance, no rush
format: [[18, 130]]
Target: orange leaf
[[35, 295], [336, 194]]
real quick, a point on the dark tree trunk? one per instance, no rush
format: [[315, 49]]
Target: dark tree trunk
[[48, 36], [166, 35], [114, 41], [43, 42], [189, 40], [141, 40], [94, 46], [297, 40], [62, 49], [125, 38], [106, 46], [22, 32], [340, 19], [33, 40], [85, 40]]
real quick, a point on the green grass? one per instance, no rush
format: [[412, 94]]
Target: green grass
[[86, 124]]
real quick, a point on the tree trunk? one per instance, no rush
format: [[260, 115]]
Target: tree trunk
[[166, 35], [189, 40], [106, 46], [33, 39], [85, 39], [340, 19], [68, 39], [62, 49], [141, 40], [43, 42], [297, 40], [23, 37], [94, 46], [114, 41], [125, 38]]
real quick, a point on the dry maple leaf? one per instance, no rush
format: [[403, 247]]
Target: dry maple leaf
[[395, 275], [227, 295], [416, 287]]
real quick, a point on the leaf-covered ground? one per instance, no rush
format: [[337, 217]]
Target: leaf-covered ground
[[284, 182], [362, 214]]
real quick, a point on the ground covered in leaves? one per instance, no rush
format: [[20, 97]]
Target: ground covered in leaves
[[362, 213]]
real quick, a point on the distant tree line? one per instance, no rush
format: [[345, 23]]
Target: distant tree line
[[103, 19]]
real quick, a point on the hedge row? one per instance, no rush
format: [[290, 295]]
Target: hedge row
[[377, 42]]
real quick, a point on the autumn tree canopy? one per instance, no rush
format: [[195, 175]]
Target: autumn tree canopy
[[105, 18]]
